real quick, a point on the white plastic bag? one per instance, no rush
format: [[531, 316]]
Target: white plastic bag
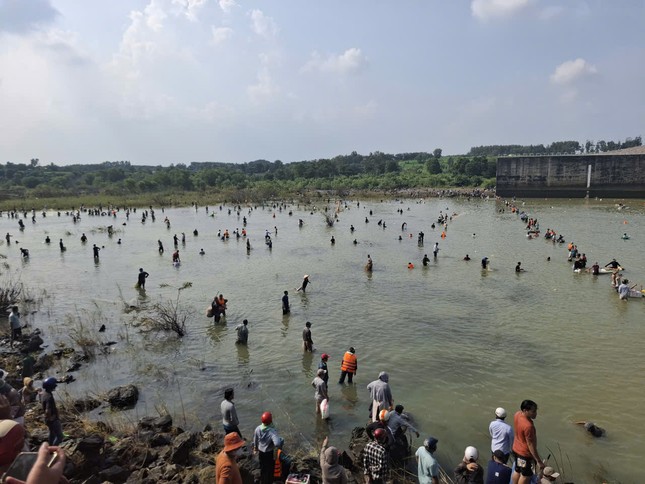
[[324, 408]]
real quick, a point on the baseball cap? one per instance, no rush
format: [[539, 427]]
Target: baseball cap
[[471, 453], [500, 412], [550, 472]]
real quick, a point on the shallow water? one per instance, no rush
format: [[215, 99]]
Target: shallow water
[[456, 341]]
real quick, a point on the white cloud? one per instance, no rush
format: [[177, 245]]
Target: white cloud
[[350, 61], [190, 7], [221, 34], [488, 9], [154, 16], [227, 5], [570, 71], [265, 88], [263, 25]]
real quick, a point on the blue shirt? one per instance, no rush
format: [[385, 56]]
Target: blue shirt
[[265, 438], [498, 473], [502, 436], [428, 466]]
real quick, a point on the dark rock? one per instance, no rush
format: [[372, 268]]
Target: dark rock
[[33, 344], [171, 471], [73, 367], [123, 397], [43, 362], [182, 446], [146, 458], [161, 424], [79, 357], [146, 423], [86, 404], [157, 440], [208, 447], [92, 444], [114, 474]]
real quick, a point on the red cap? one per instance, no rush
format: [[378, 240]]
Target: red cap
[[267, 418], [324, 356]]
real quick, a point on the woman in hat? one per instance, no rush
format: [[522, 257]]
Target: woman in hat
[[226, 468]]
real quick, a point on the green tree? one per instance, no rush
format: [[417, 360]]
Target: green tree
[[433, 166], [437, 153]]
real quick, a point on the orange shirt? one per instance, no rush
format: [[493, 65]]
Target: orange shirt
[[524, 433], [226, 470]]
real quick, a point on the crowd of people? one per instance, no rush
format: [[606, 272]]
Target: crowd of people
[[388, 447]]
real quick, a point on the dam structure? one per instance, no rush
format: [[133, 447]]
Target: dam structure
[[614, 174]]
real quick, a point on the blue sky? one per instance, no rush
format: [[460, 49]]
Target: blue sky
[[177, 81]]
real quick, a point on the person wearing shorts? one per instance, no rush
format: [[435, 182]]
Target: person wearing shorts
[[525, 443]]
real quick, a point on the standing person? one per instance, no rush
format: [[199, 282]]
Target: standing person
[[595, 269], [323, 366], [370, 264], [501, 434], [306, 337], [469, 471], [428, 467], [623, 290], [320, 387], [484, 262], [230, 422], [141, 278], [425, 260], [226, 468], [14, 322], [95, 250], [305, 283], [332, 471], [51, 412], [265, 441], [435, 249], [349, 366], [375, 459], [28, 363], [242, 333], [380, 394], [525, 443], [160, 244], [286, 309], [16, 407], [498, 472]]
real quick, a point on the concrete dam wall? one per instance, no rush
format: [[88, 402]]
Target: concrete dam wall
[[572, 176]]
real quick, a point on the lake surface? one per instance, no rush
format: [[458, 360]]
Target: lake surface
[[457, 342]]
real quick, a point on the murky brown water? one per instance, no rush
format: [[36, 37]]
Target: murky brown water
[[457, 342]]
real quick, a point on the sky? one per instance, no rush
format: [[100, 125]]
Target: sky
[[158, 82]]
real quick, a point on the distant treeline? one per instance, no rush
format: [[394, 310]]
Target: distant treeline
[[562, 147], [267, 179]]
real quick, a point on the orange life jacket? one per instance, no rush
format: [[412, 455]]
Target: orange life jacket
[[349, 363], [277, 467]]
